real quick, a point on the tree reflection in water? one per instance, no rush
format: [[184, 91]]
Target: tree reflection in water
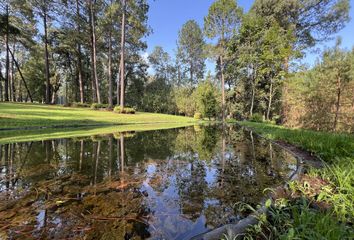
[[159, 184]]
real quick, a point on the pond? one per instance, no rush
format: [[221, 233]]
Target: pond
[[165, 184]]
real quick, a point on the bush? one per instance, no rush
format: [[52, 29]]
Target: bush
[[256, 117], [96, 106], [126, 110], [79, 105], [197, 115]]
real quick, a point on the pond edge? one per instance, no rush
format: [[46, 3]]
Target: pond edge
[[238, 229]]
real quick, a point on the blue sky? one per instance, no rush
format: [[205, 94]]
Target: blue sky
[[167, 16]]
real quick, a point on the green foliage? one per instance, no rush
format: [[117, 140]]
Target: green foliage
[[224, 16], [80, 105], [33, 70], [206, 97], [256, 117], [190, 51], [96, 106], [311, 21], [185, 100], [258, 54], [158, 97], [320, 98], [126, 110], [297, 220], [197, 116]]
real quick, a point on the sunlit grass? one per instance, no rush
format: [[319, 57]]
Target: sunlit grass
[[22, 115]]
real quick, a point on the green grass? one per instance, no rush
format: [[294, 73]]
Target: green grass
[[328, 146], [300, 221], [22, 115]]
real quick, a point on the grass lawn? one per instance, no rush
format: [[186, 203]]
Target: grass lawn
[[23, 115], [321, 204]]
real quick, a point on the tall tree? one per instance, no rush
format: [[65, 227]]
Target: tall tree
[[222, 21], [191, 50], [122, 63], [79, 52], [44, 9], [110, 80], [7, 64], [95, 83]]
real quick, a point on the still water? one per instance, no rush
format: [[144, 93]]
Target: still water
[[165, 184]]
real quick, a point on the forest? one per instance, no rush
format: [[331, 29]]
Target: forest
[[84, 52]]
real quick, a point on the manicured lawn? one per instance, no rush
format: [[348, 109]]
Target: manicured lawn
[[21, 115], [321, 204]]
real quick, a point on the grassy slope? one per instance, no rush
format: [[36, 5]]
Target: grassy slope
[[20, 115], [304, 222], [328, 146]]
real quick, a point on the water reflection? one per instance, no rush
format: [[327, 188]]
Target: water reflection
[[168, 184]]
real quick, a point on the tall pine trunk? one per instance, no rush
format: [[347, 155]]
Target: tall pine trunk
[[110, 82], [13, 89], [93, 82], [122, 64], [79, 62], [94, 49], [46, 56], [7, 64]]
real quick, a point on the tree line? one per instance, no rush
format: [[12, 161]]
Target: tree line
[[89, 51], [77, 48]]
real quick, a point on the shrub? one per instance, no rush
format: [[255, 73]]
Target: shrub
[[79, 105], [197, 115], [96, 106], [256, 117], [126, 110]]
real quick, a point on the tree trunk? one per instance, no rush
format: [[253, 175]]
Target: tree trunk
[[7, 64], [222, 88], [94, 54], [93, 81], [13, 89], [47, 76], [79, 67], [11, 74], [270, 98], [118, 85], [1, 79], [110, 83], [122, 64], [339, 90]]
